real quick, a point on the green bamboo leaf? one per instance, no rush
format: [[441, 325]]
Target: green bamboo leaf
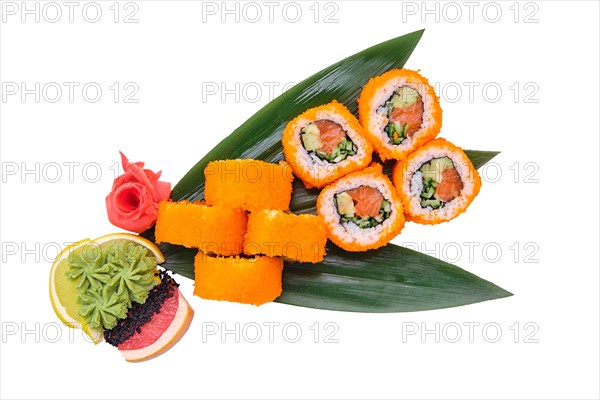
[[479, 158], [260, 136], [390, 279]]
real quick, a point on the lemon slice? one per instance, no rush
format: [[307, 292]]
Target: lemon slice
[[63, 293]]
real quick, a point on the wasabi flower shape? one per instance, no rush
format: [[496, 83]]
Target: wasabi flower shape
[[132, 271], [109, 278], [89, 269], [101, 309]]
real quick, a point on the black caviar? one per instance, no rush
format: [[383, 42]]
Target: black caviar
[[140, 314]]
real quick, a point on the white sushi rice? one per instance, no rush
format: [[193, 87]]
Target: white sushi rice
[[413, 184], [379, 111], [416, 184], [317, 167], [349, 232]]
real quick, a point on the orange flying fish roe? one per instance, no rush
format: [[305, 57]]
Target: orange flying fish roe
[[295, 237], [215, 229], [254, 280], [252, 185]]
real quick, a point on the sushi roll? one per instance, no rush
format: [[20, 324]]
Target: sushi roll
[[255, 280], [436, 183], [325, 143], [362, 210], [251, 185], [216, 229], [400, 112], [295, 237]]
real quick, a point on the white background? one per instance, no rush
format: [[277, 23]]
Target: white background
[[173, 53]]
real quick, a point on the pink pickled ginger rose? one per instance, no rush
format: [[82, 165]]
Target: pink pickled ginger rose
[[133, 201]]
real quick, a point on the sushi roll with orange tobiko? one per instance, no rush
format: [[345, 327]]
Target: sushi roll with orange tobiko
[[251, 185], [279, 234], [325, 143], [253, 280], [436, 183], [362, 210], [213, 229], [400, 112]]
